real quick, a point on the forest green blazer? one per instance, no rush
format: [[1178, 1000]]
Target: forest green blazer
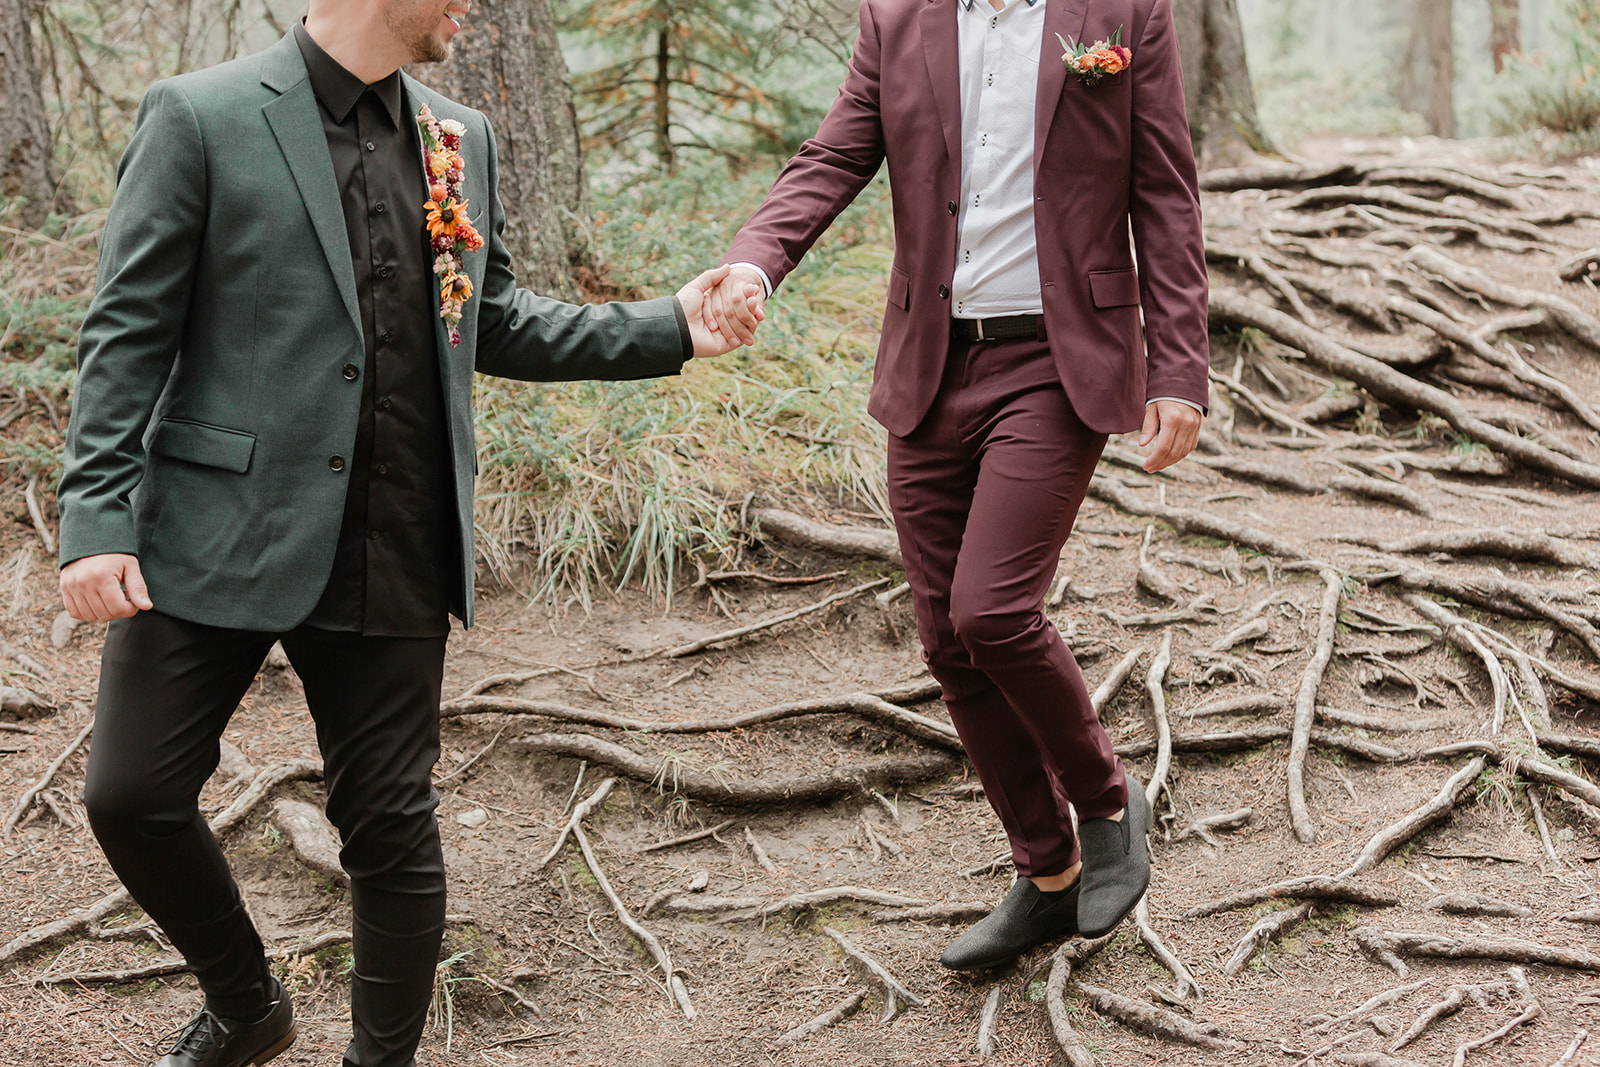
[[212, 428]]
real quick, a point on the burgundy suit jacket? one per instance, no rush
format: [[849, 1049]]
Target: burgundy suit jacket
[[1104, 158]]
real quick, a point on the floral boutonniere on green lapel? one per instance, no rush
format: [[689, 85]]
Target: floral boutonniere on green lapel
[[1094, 62], [450, 232]]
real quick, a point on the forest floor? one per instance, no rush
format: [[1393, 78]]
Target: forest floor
[[541, 971]]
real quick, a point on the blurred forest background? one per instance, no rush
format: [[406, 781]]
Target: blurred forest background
[[637, 135]]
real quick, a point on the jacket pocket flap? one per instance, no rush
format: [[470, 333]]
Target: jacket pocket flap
[[196, 442], [1114, 288], [899, 288]]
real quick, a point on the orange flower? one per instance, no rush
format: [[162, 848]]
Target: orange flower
[[1110, 61], [469, 235], [443, 219], [455, 287], [439, 162], [437, 191]]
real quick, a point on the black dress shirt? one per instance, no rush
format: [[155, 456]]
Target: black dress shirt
[[398, 545]]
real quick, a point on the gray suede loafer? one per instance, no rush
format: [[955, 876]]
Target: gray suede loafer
[[1116, 865], [1024, 919]]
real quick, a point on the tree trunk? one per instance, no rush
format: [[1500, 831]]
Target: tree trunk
[[663, 102], [1216, 80], [27, 168], [507, 63], [1505, 32], [1427, 76]]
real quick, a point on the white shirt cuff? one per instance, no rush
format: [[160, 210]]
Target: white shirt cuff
[[1153, 399], [766, 281]]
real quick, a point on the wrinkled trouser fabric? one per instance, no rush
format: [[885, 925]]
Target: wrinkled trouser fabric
[[167, 690], [984, 494]]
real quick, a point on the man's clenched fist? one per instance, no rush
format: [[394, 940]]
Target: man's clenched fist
[[101, 588]]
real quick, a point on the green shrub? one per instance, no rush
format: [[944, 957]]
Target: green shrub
[[1554, 98]]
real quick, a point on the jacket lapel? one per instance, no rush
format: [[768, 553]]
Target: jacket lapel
[[1067, 18], [941, 49], [298, 128]]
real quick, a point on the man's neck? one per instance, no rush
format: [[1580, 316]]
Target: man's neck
[[369, 53]]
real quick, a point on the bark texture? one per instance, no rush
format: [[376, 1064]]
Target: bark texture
[[507, 63], [1216, 83], [26, 166], [1427, 74]]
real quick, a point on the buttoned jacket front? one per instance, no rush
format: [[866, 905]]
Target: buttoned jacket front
[[213, 421], [1109, 160]]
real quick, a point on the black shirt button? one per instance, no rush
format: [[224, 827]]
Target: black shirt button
[[336, 463], [385, 403], [379, 208], [951, 207], [350, 372], [375, 535], [371, 147], [387, 337], [944, 292], [384, 272], [383, 468]]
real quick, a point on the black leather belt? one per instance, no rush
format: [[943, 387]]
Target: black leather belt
[[1004, 328]]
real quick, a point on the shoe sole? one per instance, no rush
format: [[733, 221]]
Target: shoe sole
[[278, 1049]]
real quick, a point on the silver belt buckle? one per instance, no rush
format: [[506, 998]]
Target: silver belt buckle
[[980, 329]]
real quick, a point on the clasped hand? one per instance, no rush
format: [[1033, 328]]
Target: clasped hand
[[723, 306]]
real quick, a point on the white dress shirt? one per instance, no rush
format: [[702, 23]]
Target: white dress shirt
[[997, 258]]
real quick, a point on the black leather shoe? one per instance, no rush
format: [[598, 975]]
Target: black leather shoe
[[212, 1041], [1116, 865], [1023, 920]]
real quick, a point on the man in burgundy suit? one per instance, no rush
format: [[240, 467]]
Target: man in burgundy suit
[[1012, 346]]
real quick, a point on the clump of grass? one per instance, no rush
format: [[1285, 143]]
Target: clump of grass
[[595, 486]]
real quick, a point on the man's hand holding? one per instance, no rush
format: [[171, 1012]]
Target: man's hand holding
[[741, 300], [1174, 427], [105, 587]]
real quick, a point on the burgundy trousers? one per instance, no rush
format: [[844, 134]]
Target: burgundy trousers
[[984, 494]]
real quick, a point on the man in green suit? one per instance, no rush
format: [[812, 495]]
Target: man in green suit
[[272, 440]]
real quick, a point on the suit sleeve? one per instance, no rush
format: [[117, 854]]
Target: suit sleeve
[[826, 174], [533, 338], [1164, 205], [131, 335]]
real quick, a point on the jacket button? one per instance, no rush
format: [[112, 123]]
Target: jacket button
[[350, 372], [336, 463], [951, 206], [944, 292]]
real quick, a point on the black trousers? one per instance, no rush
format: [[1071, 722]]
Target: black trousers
[[167, 690]]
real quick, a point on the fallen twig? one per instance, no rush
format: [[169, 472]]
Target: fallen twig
[[698, 835], [579, 813], [31, 794], [766, 624]]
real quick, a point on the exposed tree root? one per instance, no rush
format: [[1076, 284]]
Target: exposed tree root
[[1314, 887], [1389, 946], [850, 779], [579, 813], [1256, 736], [877, 970], [311, 838], [1069, 955], [1248, 704], [1531, 1010], [766, 907], [164, 968], [675, 987], [1194, 522], [1202, 826], [1506, 544], [1591, 915], [832, 1017], [1266, 928], [704, 643], [936, 913], [855, 541], [1305, 705], [987, 1021], [1356, 1015], [1455, 998], [1393, 386], [1149, 1019], [1563, 312], [87, 921], [1524, 766], [866, 705], [698, 835], [1464, 904], [31, 794], [1286, 478]]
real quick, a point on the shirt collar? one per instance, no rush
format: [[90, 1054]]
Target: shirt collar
[[967, 4], [337, 88]]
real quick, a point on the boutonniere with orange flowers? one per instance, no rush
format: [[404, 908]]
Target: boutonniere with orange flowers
[[1093, 63], [450, 232]]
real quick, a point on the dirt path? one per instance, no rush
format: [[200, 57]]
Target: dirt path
[[591, 995]]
